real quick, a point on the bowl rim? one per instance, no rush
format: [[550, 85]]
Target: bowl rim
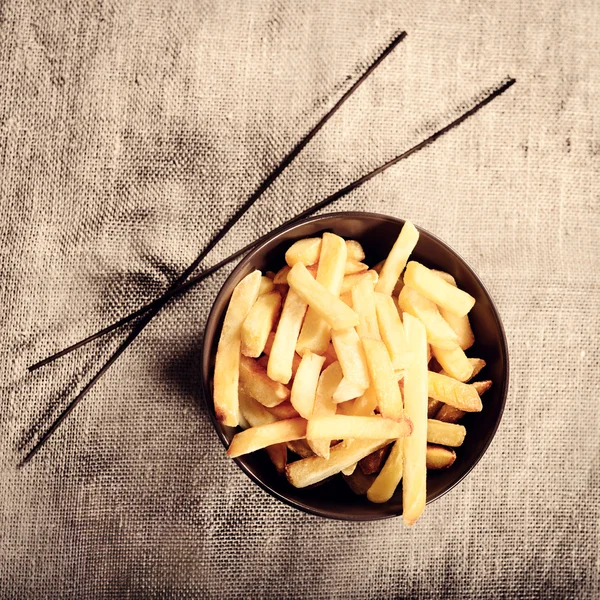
[[206, 377]]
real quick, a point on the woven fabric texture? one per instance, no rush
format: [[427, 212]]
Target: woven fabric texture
[[131, 129]]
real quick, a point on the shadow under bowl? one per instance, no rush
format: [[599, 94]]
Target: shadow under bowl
[[377, 233]]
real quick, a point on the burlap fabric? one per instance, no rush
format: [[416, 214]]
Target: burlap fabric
[[129, 132]]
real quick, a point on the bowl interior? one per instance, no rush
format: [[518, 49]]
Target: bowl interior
[[377, 233]]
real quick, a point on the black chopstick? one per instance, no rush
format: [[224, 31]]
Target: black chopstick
[[238, 214], [318, 206]]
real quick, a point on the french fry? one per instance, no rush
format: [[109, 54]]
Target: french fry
[[324, 405], [437, 290], [373, 462], [255, 381], [415, 406], [308, 252], [396, 260], [256, 414], [351, 356], [359, 482], [439, 333], [433, 406], [268, 348], [352, 267], [266, 285], [383, 379], [450, 414], [305, 384], [460, 325], [259, 322], [389, 477], [392, 331], [363, 303], [477, 364], [349, 470], [283, 411], [281, 276], [347, 390], [342, 427], [454, 362], [366, 404], [260, 437], [325, 304], [351, 280], [439, 457], [446, 434], [315, 333], [300, 447], [355, 250], [283, 350], [330, 355], [460, 395], [347, 299], [308, 471], [227, 361]]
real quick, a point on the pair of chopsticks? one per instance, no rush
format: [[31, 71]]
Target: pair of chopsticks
[[183, 283]]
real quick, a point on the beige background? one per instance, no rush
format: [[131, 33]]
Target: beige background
[[130, 130]]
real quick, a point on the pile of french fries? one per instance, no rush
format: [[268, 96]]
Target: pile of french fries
[[352, 370]]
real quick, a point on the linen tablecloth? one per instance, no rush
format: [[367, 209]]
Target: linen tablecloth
[[131, 130]]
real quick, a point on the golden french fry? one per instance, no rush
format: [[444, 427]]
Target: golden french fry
[[256, 414], [322, 301], [437, 290], [460, 325], [281, 276], [449, 414], [283, 411], [478, 365], [439, 333], [373, 462], [392, 331], [347, 390], [283, 350], [454, 362], [330, 355], [355, 250], [300, 447], [268, 348], [255, 381], [227, 361], [415, 407], [308, 471], [396, 260], [482, 386], [260, 437], [324, 405], [446, 434], [306, 251], [315, 333], [266, 286], [389, 477], [439, 457], [460, 395], [383, 379], [349, 470], [351, 280], [351, 355], [342, 427], [352, 267], [363, 303], [305, 384], [347, 299], [259, 322], [366, 404], [433, 406], [359, 482]]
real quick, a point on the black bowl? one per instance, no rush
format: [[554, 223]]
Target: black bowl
[[377, 233]]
